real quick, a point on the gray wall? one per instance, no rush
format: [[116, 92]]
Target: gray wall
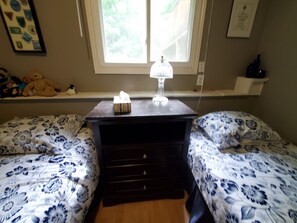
[[227, 58], [68, 57], [278, 102], [68, 61]]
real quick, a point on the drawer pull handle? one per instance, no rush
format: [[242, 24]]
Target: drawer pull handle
[[144, 173], [144, 187], [144, 156]]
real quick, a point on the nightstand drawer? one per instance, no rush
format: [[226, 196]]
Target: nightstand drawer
[[142, 154], [144, 186], [143, 171]]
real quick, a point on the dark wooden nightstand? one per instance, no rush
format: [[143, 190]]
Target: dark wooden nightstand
[[142, 154]]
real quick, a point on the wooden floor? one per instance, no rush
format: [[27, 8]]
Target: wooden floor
[[157, 211]]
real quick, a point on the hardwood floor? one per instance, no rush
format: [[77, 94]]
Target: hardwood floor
[[157, 211]]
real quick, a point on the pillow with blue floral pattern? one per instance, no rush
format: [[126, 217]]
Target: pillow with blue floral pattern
[[229, 128], [39, 134]]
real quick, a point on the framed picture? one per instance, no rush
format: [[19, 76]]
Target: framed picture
[[20, 20], [242, 18]]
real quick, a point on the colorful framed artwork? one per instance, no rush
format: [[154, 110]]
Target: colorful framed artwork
[[20, 20], [242, 18]]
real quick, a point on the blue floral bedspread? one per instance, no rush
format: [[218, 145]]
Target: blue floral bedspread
[[48, 187], [256, 183]]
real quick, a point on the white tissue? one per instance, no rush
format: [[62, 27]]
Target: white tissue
[[124, 96]]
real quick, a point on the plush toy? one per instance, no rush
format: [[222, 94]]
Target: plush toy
[[9, 85], [12, 87], [71, 90], [40, 86], [3, 81], [25, 80]]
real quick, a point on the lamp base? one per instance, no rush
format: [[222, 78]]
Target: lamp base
[[160, 99]]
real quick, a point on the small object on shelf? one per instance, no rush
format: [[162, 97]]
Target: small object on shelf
[[253, 69], [260, 74], [122, 103], [25, 80], [71, 90], [40, 86], [9, 85]]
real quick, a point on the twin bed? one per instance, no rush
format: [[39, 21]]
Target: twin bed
[[244, 171], [48, 169]]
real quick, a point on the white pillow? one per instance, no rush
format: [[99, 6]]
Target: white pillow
[[228, 128]]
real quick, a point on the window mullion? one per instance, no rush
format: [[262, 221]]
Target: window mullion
[[148, 30]]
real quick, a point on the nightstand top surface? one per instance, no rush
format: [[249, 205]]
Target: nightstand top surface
[[142, 108]]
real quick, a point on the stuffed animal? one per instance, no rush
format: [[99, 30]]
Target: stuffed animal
[[3, 81], [25, 80], [40, 86], [9, 85], [71, 90]]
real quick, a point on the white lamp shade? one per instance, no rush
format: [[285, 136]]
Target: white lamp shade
[[161, 69]]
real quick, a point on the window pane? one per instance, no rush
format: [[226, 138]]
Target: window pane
[[124, 30], [171, 29]]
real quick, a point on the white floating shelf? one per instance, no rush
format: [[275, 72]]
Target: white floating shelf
[[251, 86], [133, 94], [243, 87]]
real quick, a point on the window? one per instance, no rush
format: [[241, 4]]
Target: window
[[127, 36]]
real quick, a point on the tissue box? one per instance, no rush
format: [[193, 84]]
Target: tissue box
[[120, 105]]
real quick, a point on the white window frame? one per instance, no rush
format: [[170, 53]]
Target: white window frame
[[100, 67]]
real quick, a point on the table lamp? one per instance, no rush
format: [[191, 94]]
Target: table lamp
[[162, 70]]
